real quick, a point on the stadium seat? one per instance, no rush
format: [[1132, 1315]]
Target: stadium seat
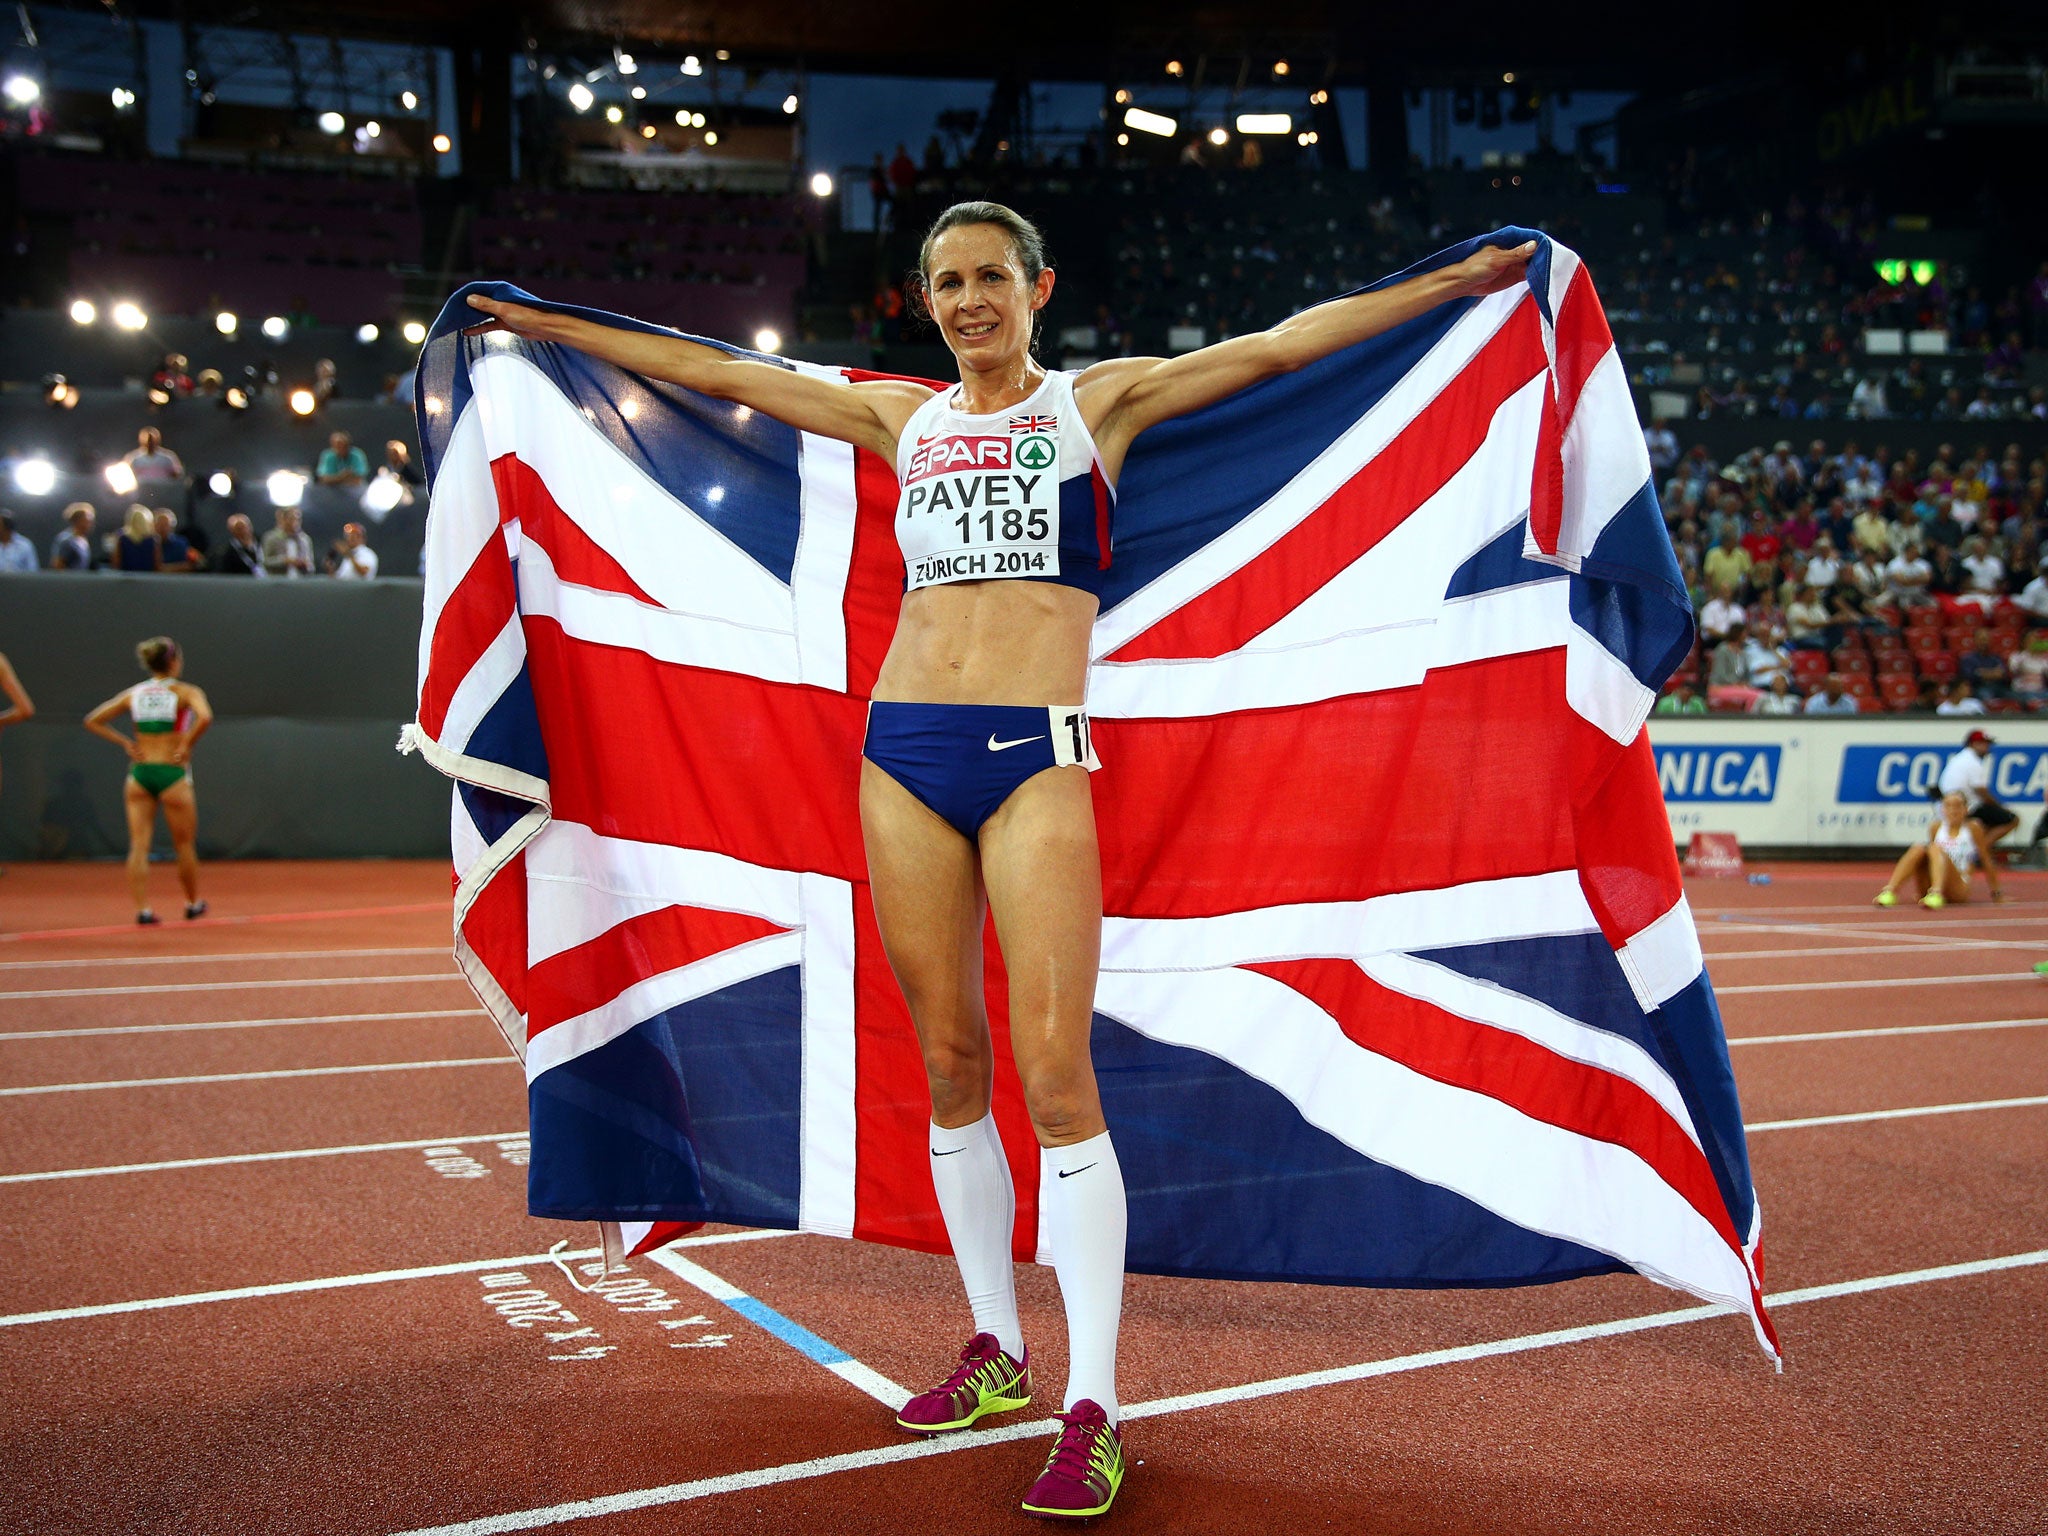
[[1939, 665], [1852, 663], [1859, 687], [1898, 692], [1808, 667], [1923, 642]]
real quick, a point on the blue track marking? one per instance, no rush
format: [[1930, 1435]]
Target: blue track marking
[[795, 1335]]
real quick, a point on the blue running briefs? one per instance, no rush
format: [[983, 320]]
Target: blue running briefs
[[962, 761]]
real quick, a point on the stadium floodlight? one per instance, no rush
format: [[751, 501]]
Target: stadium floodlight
[[120, 477], [1123, 97], [123, 98], [692, 65], [332, 122], [221, 483], [83, 311], [581, 97], [35, 477], [367, 334], [129, 316], [639, 93], [413, 332], [723, 55], [302, 402], [1173, 68], [236, 398], [1279, 69], [711, 136], [615, 114], [1150, 122], [789, 105], [1219, 136], [287, 488], [408, 100], [442, 143], [227, 322], [1123, 139], [626, 64], [1264, 122], [766, 340], [276, 327], [821, 185], [372, 128], [23, 91], [382, 494], [697, 119], [647, 130], [683, 118], [1318, 98]]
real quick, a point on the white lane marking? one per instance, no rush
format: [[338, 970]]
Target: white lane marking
[[1743, 914], [251, 1077], [341, 1282], [1888, 934], [313, 1018], [101, 1170], [887, 1455], [1874, 949], [1912, 1113], [1889, 1029], [1891, 981], [1904, 924], [235, 986], [258, 955]]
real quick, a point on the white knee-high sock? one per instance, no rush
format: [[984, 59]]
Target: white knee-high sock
[[1082, 1191], [979, 1202]]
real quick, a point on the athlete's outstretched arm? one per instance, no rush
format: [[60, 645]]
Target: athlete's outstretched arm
[[1142, 392], [868, 415]]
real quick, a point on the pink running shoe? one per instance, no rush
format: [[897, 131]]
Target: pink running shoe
[[1085, 1469], [986, 1381]]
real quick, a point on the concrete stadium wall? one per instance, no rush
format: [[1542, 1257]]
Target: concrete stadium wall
[[310, 682]]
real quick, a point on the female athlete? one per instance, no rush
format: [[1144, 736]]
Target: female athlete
[[1940, 867], [974, 794], [170, 715], [15, 704]]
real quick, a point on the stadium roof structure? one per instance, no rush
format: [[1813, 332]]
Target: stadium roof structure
[[1597, 43]]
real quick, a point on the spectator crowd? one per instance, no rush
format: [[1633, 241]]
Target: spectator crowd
[[1832, 581]]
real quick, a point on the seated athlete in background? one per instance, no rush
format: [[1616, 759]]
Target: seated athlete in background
[[1940, 867], [170, 715]]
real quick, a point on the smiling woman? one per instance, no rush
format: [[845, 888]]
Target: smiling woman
[[974, 792]]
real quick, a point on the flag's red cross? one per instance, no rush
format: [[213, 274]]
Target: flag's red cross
[[1034, 423]]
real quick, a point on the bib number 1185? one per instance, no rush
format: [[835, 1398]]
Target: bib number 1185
[[1015, 523]]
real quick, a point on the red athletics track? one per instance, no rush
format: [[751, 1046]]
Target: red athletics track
[[391, 1354]]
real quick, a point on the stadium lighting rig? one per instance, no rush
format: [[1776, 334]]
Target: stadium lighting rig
[[35, 477], [1150, 122], [83, 312], [287, 488], [23, 90], [129, 316], [120, 477], [276, 327], [227, 322], [821, 185]]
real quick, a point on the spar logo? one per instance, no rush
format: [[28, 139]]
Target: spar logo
[[1692, 774], [943, 455], [1878, 775], [1034, 452]]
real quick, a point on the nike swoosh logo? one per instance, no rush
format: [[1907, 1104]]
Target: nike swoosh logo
[[1004, 746], [937, 1153], [1068, 1173]]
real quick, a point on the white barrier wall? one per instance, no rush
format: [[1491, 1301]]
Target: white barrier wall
[[1819, 782]]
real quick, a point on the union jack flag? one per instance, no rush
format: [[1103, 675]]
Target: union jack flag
[[1399, 985], [1030, 423]]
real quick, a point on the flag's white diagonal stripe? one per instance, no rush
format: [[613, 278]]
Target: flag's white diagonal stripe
[[677, 558], [1315, 483]]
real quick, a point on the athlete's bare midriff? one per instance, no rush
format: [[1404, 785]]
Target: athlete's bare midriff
[[990, 642]]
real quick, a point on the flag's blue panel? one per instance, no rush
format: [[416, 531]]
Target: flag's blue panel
[[1186, 482], [1227, 1181], [691, 1116], [1630, 596], [1579, 977], [1499, 564]]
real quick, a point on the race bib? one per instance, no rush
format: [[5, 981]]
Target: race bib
[[982, 506]]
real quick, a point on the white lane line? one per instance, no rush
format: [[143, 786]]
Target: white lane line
[[1889, 934], [1905, 921], [887, 1455], [339, 1282], [1933, 949], [1889, 1029], [251, 1077], [235, 986], [1912, 1113], [256, 955], [1893, 981], [101, 1170], [314, 1018], [834, 1359], [1877, 874]]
